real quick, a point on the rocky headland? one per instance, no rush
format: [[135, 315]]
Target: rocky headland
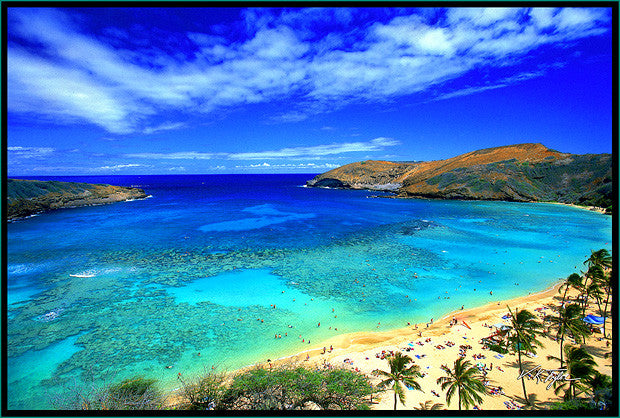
[[519, 173], [29, 197]]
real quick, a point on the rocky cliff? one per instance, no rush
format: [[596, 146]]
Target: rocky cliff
[[27, 197], [523, 173]]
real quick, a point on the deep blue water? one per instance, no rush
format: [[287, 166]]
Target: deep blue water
[[101, 293]]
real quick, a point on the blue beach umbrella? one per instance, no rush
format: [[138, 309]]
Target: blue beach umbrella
[[594, 320]]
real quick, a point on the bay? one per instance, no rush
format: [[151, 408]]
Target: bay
[[210, 269]]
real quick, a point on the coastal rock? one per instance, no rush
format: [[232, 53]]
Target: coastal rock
[[329, 183], [28, 197], [518, 173]]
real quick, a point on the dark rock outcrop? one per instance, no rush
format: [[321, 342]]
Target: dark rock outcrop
[[28, 197]]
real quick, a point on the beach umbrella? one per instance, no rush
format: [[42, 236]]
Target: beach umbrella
[[594, 320]]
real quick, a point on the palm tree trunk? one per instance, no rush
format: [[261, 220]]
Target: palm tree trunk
[[459, 397], [562, 349], [605, 314], [598, 302], [394, 400], [584, 299], [523, 378], [564, 297]]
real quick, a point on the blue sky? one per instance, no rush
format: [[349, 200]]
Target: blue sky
[[96, 91]]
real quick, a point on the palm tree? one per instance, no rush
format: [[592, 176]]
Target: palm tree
[[606, 283], [399, 375], [602, 389], [574, 281], [596, 263], [596, 274], [429, 406], [466, 380], [599, 258], [569, 321], [522, 337], [580, 369]]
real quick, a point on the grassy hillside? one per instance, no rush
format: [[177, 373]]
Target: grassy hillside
[[525, 173], [27, 197]]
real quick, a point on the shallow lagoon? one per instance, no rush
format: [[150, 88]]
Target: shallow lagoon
[[198, 267]]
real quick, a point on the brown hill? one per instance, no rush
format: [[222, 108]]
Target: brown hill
[[524, 172]]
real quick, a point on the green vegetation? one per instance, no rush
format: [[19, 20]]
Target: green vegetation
[[573, 405], [523, 338], [27, 189], [281, 388], [28, 197], [399, 376], [203, 392], [465, 380], [277, 388], [136, 393], [580, 367], [430, 406], [569, 322]]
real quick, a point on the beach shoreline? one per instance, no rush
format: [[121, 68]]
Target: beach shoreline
[[363, 340], [588, 208], [364, 351]]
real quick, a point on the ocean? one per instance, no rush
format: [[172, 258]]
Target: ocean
[[211, 268]]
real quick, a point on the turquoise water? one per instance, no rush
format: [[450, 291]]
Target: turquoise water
[[211, 268]]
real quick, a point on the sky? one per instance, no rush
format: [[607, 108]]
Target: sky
[[105, 91]]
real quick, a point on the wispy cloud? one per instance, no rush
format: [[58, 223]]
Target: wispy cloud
[[168, 126], [75, 77], [300, 166], [499, 84], [376, 144], [29, 152], [190, 155], [117, 167]]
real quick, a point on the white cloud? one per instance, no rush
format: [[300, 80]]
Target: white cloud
[[191, 155], [501, 83], [468, 91], [41, 86], [168, 126], [543, 17], [300, 166], [376, 144], [118, 167], [29, 152], [77, 78], [479, 16], [579, 18]]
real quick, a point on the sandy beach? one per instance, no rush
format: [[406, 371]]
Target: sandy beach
[[363, 352]]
